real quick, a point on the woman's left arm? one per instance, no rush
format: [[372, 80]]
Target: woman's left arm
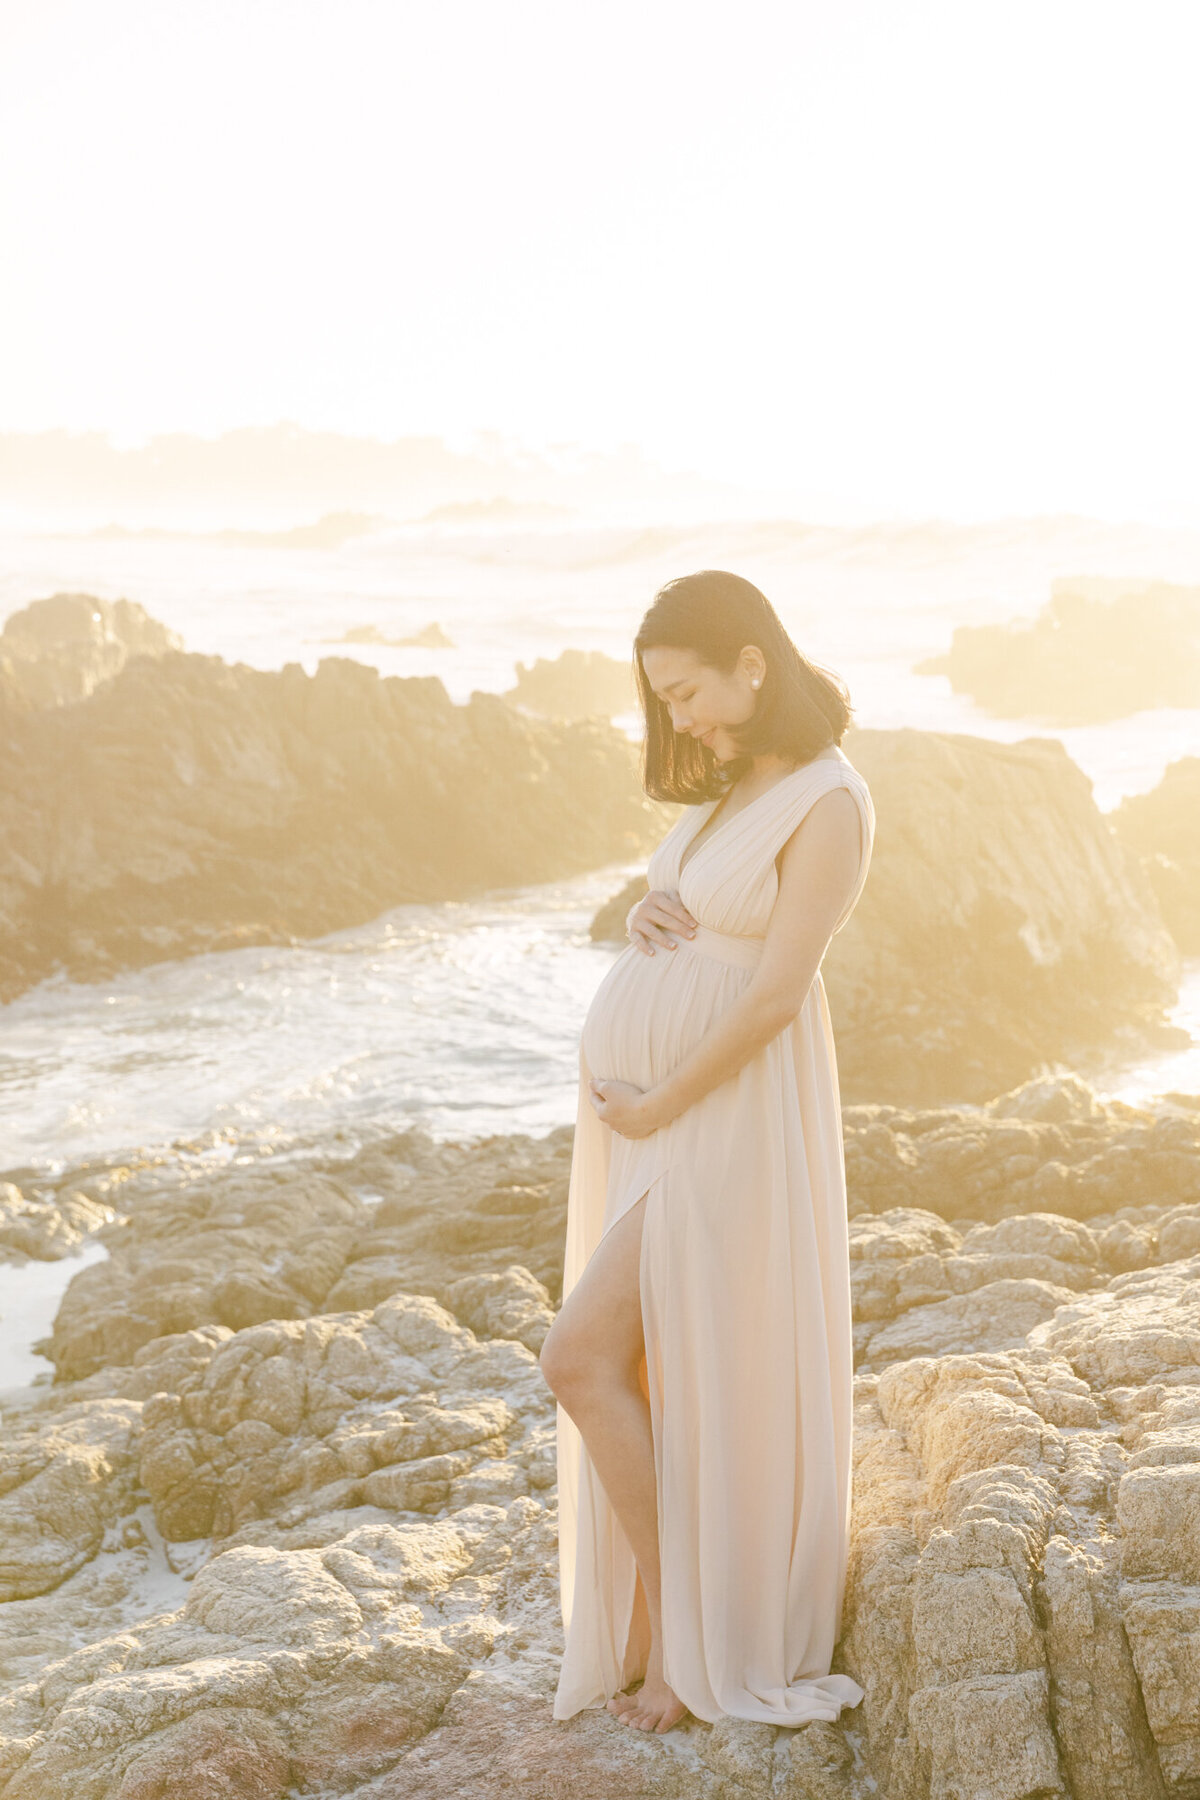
[[818, 867]]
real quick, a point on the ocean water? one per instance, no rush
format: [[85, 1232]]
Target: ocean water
[[465, 1018], [30, 1293]]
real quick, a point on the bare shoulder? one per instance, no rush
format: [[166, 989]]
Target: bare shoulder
[[819, 867], [838, 803], [828, 837]]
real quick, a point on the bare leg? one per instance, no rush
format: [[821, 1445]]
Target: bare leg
[[590, 1359]]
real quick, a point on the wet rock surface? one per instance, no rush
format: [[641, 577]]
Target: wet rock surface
[[311, 1550], [1002, 927]]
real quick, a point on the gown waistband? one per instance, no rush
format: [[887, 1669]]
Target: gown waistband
[[743, 952]]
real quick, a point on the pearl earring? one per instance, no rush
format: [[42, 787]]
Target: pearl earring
[[754, 684]]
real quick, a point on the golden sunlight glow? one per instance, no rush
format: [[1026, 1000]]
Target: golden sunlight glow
[[869, 259]]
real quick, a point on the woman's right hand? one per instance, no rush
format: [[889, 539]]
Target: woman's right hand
[[654, 917]]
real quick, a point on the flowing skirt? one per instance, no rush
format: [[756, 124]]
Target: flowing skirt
[[745, 1293]]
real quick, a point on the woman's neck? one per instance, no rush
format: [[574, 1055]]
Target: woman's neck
[[764, 771]]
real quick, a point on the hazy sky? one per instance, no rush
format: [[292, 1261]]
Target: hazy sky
[[905, 257]]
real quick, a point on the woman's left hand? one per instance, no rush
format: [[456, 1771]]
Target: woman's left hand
[[628, 1109]]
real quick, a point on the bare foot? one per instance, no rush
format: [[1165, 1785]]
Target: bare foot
[[653, 1706], [621, 1703]]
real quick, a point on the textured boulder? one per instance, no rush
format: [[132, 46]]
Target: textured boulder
[[286, 1669], [61, 1488], [395, 1408], [1029, 1518], [1025, 1153]]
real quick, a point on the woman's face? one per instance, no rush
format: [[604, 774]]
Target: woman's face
[[703, 702]]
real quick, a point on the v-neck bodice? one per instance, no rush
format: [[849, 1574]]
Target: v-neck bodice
[[692, 844]]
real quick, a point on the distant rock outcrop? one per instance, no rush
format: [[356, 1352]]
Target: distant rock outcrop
[[1002, 926], [577, 684], [189, 804], [1163, 829], [1101, 649], [314, 1548], [58, 650], [429, 637]]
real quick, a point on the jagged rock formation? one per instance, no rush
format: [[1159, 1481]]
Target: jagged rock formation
[[1162, 828], [578, 684], [190, 804], [315, 1549], [58, 650], [1101, 648], [1002, 925]]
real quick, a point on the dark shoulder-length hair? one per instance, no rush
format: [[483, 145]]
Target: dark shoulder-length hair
[[800, 708]]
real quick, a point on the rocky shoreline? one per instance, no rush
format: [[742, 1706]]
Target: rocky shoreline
[[283, 1524], [287, 1509], [168, 804]]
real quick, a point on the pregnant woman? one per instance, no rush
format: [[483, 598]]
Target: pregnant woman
[[701, 1359]]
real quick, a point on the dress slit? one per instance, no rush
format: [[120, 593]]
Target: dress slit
[[634, 1631], [611, 1572]]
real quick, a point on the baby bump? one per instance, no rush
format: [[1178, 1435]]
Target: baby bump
[[650, 1012]]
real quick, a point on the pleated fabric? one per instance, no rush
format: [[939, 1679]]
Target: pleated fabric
[[745, 1292]]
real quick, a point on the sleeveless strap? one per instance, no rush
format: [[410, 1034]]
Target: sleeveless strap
[[794, 806]]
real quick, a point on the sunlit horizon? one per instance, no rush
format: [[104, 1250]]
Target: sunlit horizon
[[865, 263]]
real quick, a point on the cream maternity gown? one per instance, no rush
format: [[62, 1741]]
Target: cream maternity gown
[[745, 1290]]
